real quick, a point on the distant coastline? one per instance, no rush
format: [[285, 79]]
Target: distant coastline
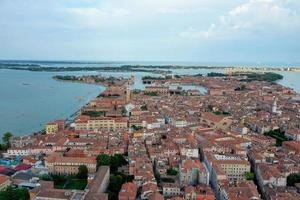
[[39, 68], [158, 69]]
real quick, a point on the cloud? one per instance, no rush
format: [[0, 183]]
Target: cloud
[[148, 29], [95, 17], [142, 11], [251, 19]]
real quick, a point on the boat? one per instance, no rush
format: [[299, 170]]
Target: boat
[[79, 98]]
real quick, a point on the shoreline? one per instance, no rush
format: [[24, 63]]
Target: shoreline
[[155, 69], [74, 114], [70, 119]]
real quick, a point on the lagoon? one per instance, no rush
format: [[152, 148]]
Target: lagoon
[[28, 100]]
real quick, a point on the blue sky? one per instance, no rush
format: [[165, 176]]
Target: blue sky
[[254, 31]]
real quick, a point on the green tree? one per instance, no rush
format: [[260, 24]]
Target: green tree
[[210, 107], [216, 74], [82, 172], [136, 91], [293, 178], [115, 183], [117, 161], [94, 113], [124, 111], [114, 161], [6, 139], [136, 128], [103, 159], [278, 134], [23, 194], [144, 107], [151, 93], [172, 172], [250, 176], [243, 87], [11, 193]]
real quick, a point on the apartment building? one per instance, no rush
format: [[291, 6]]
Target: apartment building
[[99, 185], [128, 191], [170, 189], [86, 123], [233, 166], [157, 89], [4, 182], [199, 192], [193, 172], [57, 163], [216, 121], [55, 126]]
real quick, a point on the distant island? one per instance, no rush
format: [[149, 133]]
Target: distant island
[[106, 81], [91, 79], [158, 69], [39, 68], [248, 77]]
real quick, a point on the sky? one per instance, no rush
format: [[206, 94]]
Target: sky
[[256, 31]]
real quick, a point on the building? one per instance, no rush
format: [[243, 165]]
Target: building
[[233, 166], [4, 182], [244, 190], [21, 141], [157, 89], [179, 123], [199, 192], [270, 175], [170, 189], [57, 163], [86, 123], [55, 126], [128, 94], [97, 188], [189, 151], [128, 191], [26, 151], [46, 191], [216, 121], [293, 134], [192, 172], [156, 196], [148, 189], [292, 146]]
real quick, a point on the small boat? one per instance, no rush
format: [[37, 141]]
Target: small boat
[[79, 98], [25, 83]]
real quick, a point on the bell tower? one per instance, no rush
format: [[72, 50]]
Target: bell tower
[[128, 94]]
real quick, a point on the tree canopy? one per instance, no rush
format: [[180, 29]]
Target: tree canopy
[[144, 107], [6, 139], [172, 172], [103, 159], [250, 176], [293, 178], [114, 161], [14, 194], [82, 172]]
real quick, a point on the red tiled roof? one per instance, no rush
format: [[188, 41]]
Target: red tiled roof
[[3, 179], [22, 167]]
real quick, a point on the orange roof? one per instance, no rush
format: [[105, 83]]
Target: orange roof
[[212, 117], [82, 118], [292, 145], [156, 196], [190, 164], [3, 179], [128, 190], [56, 157]]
